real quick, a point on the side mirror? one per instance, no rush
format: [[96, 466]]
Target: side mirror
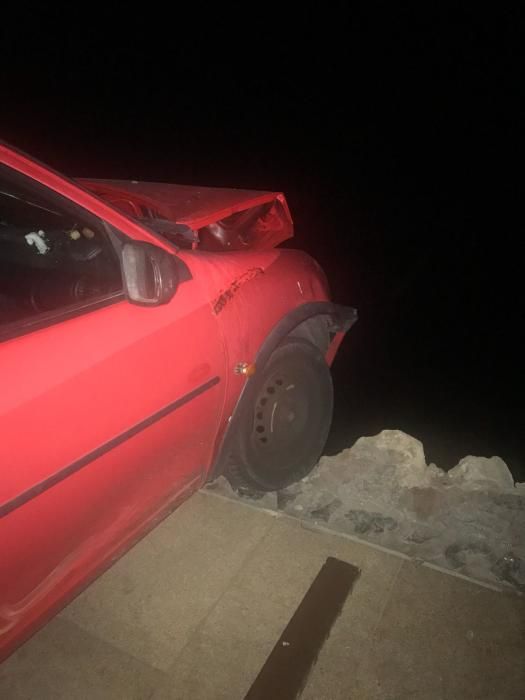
[[149, 274]]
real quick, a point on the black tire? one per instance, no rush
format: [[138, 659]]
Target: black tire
[[285, 429]]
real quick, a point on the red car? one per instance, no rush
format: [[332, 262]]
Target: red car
[[152, 337]]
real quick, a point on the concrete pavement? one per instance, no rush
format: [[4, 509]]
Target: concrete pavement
[[194, 610]]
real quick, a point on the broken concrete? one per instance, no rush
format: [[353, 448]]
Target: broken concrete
[[470, 520]]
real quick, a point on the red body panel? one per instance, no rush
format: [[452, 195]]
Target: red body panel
[[194, 206], [132, 400]]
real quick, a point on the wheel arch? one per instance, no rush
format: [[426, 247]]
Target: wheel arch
[[318, 322]]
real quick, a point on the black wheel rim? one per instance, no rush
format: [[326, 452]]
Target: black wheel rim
[[290, 421], [281, 413]]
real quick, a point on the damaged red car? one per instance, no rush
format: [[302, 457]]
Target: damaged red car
[[152, 337]]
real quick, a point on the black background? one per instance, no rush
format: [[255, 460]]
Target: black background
[[396, 136]]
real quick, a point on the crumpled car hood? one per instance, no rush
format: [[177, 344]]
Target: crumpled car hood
[[267, 215]]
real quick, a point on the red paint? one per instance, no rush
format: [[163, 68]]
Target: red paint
[[224, 297], [71, 387], [195, 206]]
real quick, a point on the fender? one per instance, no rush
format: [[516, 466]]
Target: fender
[[341, 319]]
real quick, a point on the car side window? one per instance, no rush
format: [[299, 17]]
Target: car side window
[[53, 254]]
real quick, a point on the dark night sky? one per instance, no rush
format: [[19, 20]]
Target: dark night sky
[[396, 138]]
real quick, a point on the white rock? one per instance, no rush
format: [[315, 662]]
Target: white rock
[[397, 449], [482, 474]]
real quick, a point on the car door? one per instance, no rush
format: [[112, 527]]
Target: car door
[[108, 410]]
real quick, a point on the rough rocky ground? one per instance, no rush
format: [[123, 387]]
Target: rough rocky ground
[[470, 519]]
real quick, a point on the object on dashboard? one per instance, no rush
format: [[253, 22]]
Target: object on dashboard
[[38, 239]]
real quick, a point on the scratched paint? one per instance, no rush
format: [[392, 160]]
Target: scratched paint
[[226, 295]]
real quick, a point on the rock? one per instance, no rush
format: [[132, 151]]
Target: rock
[[284, 498], [424, 502], [421, 534], [338, 467], [482, 474], [374, 523], [325, 512], [403, 452], [471, 520], [511, 568], [460, 554]]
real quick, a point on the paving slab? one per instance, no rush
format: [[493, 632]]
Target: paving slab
[[152, 599], [234, 641], [194, 610], [63, 662], [439, 637]]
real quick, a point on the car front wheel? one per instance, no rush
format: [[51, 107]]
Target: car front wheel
[[286, 427]]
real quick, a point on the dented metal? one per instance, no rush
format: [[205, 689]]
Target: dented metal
[[110, 417], [216, 218]]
